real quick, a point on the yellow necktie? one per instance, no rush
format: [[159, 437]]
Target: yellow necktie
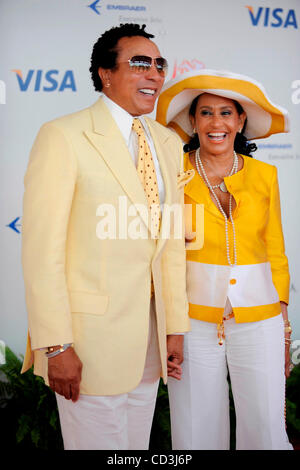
[[147, 175]]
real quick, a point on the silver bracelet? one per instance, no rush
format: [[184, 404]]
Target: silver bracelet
[[62, 348]]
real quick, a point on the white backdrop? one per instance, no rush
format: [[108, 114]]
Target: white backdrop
[[45, 49]]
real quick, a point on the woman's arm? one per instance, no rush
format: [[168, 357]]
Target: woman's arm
[[279, 262]]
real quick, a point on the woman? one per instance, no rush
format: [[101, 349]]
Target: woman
[[238, 282]]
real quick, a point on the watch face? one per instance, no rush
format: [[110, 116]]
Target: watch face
[[51, 348]]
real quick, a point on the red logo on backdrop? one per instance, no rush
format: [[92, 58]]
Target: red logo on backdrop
[[187, 66]]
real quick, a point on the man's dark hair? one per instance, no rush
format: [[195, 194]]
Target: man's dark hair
[[241, 144], [105, 50]]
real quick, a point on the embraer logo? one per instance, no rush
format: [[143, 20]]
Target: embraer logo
[[14, 225], [94, 6]]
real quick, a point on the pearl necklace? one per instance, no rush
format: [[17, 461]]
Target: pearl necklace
[[233, 170], [199, 165]]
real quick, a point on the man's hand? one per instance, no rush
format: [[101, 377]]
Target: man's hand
[[175, 355], [64, 373]]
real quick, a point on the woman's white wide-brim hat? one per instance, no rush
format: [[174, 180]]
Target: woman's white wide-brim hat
[[263, 116]]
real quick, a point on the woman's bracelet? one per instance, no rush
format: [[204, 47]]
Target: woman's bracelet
[[287, 326]]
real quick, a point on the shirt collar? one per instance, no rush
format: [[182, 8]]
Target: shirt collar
[[123, 119]]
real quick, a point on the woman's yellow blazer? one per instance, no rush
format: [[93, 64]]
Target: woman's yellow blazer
[[260, 280]]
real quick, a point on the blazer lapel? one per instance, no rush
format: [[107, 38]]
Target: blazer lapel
[[108, 140]]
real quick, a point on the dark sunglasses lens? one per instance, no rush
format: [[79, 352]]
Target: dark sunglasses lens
[[161, 64], [140, 62]]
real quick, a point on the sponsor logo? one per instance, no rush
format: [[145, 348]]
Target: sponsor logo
[[187, 66], [272, 17], [296, 93], [126, 7], [95, 7], [285, 151], [51, 80], [275, 146], [2, 92], [14, 225]]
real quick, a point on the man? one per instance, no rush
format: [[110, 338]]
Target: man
[[102, 303]]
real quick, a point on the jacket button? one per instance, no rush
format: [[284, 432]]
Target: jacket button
[[232, 281]]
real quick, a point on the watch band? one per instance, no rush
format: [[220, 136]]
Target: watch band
[[51, 353]]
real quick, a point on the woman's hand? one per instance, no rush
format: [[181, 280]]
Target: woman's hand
[[287, 339], [287, 360]]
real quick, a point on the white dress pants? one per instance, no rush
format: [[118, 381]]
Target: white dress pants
[[119, 422], [253, 353]]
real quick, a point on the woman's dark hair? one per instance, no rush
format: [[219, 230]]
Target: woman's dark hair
[[105, 50], [241, 145]]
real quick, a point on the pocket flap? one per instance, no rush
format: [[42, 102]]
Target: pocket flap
[[84, 302]]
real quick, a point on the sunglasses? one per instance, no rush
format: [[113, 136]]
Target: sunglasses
[[143, 63]]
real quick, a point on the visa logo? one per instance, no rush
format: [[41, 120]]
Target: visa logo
[[46, 81], [275, 18]]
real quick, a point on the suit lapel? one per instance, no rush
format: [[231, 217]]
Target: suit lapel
[[108, 140]]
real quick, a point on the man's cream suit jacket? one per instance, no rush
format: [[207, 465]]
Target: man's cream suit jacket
[[95, 292]]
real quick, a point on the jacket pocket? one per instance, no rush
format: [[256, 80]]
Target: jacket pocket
[[85, 302]]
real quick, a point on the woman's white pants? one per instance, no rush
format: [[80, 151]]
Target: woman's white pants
[[119, 422], [253, 353]]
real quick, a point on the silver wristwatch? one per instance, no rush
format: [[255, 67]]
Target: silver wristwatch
[[51, 353]]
